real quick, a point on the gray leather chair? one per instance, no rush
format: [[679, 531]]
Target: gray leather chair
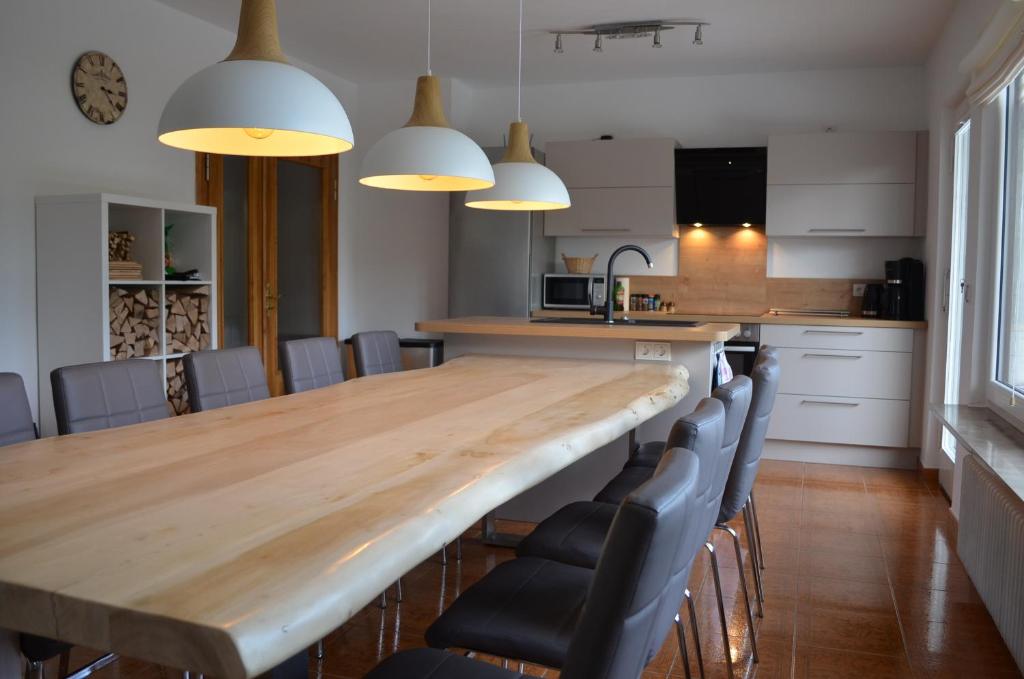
[[17, 426], [224, 377], [606, 623], [739, 489], [95, 396], [310, 364], [16, 423], [376, 352]]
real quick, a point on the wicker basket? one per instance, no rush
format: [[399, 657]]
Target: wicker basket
[[578, 264]]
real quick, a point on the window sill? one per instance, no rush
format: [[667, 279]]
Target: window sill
[[997, 442]]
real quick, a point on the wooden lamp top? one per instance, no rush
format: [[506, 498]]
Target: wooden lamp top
[[258, 38]]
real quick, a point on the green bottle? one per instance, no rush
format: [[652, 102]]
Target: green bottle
[[620, 296]]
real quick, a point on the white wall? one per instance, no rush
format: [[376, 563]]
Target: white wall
[[393, 260], [945, 90], [725, 110], [49, 147], [730, 110]]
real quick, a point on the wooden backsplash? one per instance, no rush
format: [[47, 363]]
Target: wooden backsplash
[[723, 270]]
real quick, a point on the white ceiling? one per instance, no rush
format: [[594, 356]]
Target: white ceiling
[[474, 40]]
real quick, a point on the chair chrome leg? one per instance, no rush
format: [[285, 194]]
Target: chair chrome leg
[[684, 653], [458, 548], [522, 668], [755, 561], [721, 606], [398, 591], [34, 670], [186, 675], [504, 663], [93, 667], [444, 554], [320, 650], [696, 631], [383, 602], [743, 588], [757, 529]]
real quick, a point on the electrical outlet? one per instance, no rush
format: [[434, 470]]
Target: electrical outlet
[[653, 351], [858, 289]]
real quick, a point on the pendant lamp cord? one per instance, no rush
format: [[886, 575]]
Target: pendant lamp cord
[[429, 72], [519, 75]]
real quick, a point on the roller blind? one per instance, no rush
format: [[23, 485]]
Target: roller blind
[[999, 55]]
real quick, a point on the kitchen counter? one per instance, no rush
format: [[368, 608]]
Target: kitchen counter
[[763, 319], [522, 327]]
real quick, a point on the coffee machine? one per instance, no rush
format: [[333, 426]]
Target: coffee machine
[[903, 296]]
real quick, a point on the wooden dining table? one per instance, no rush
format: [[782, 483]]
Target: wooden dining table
[[227, 541]]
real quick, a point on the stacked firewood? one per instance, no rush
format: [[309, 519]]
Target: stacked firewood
[[188, 320], [119, 254], [134, 322], [177, 391]]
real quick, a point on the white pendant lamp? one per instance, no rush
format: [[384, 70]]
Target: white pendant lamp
[[427, 154], [521, 183], [254, 103]]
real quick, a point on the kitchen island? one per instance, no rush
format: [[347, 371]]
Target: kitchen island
[[693, 347]]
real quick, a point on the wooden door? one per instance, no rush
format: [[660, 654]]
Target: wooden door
[[277, 235]]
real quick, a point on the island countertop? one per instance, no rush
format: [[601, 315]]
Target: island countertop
[[761, 319], [228, 540], [523, 327]]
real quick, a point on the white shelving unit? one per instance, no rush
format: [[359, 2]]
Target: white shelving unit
[[72, 276]]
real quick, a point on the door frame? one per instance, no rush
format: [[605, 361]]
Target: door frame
[[262, 239]]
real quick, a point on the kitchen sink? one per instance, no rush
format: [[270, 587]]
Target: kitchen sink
[[576, 320]]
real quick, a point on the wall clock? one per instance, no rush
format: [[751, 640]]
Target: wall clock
[[99, 88]]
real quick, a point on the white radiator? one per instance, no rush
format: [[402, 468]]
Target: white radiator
[[990, 542]]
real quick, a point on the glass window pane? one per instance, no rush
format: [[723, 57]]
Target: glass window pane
[[1010, 364], [235, 254], [299, 208]]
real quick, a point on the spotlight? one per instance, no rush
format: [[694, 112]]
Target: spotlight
[[597, 43], [657, 37], [698, 35], [697, 225], [746, 225], [558, 43]]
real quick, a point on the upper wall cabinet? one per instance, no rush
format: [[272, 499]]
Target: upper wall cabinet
[[617, 186], [845, 184]]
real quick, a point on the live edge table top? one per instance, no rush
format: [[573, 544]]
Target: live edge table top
[[226, 541]]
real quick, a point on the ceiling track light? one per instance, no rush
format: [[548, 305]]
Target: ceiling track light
[[651, 28]]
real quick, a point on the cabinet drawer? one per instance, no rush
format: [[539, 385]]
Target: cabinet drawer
[[840, 210], [861, 374], [616, 212], [851, 421], [849, 338]]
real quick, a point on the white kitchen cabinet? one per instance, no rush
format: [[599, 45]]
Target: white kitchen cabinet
[[840, 210], [618, 187], [860, 184], [843, 158], [613, 163], [636, 211], [842, 384]]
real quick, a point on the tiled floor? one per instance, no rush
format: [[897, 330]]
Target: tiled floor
[[862, 580]]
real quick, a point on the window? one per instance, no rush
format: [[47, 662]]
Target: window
[[955, 282], [1010, 357]]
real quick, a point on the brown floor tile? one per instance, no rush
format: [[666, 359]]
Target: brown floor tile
[[826, 663], [865, 597], [843, 566], [847, 629]]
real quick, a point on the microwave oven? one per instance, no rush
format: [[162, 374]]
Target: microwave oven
[[572, 291]]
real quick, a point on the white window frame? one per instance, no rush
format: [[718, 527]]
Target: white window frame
[[998, 396]]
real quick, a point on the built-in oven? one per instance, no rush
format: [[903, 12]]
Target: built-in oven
[[572, 291], [741, 350]]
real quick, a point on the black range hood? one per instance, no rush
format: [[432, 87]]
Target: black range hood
[[721, 186]]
